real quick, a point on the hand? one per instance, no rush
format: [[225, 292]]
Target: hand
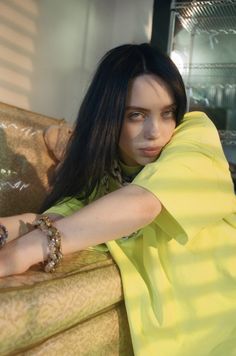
[[17, 256]]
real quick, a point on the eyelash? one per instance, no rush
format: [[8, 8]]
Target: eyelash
[[171, 111], [135, 115], [166, 114]]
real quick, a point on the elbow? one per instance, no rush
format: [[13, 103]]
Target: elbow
[[149, 206], [152, 209]]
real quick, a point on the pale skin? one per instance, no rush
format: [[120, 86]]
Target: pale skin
[[148, 126]]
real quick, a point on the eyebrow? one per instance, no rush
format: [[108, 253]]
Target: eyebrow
[[144, 109], [136, 108]]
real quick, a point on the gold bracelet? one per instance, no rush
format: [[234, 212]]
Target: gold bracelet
[[54, 242]]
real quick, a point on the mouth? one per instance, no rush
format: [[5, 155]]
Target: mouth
[[150, 151]]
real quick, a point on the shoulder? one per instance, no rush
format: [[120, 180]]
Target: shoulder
[[195, 120], [196, 128], [196, 117]]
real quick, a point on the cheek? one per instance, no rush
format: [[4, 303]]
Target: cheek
[[169, 130], [128, 134]]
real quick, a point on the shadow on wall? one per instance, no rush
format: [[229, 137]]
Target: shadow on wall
[[17, 50]]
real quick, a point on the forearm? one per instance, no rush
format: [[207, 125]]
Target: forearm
[[115, 215]]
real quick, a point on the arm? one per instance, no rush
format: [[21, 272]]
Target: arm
[[113, 216]]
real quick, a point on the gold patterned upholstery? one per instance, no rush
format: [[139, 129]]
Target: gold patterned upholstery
[[78, 310], [26, 165]]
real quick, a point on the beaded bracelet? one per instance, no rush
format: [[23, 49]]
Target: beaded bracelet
[[3, 235], [54, 242]]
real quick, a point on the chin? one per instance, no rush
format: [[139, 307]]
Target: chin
[[144, 161]]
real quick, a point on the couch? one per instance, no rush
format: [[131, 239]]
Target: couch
[[78, 310]]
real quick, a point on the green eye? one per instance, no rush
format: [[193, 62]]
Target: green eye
[[136, 115], [169, 114]]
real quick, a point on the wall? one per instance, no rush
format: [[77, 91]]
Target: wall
[[49, 48]]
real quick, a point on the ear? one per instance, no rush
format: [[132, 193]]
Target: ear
[[56, 138]]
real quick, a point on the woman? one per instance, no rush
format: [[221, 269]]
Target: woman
[[172, 230]]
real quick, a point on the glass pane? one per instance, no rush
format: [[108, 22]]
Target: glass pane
[[203, 45]]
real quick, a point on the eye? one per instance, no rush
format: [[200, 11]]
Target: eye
[[136, 115], [169, 114]]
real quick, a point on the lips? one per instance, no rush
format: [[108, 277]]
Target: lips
[[150, 151]]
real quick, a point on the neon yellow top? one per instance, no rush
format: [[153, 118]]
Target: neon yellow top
[[179, 274]]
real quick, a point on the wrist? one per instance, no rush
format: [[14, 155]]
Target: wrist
[[45, 224], [32, 248]]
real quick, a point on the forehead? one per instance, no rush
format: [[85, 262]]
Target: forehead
[[149, 89]]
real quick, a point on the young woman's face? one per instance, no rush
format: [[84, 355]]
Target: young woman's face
[[149, 120]]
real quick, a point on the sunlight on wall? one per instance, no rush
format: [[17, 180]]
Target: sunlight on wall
[[12, 14], [11, 76], [17, 50], [14, 57], [16, 38], [29, 6], [13, 98]]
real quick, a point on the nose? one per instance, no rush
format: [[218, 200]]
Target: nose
[[152, 129]]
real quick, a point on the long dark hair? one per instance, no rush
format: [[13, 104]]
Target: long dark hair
[[94, 143]]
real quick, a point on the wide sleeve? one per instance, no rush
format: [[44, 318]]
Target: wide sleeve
[[191, 178]]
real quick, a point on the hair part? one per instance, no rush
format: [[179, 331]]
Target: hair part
[[94, 143]]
